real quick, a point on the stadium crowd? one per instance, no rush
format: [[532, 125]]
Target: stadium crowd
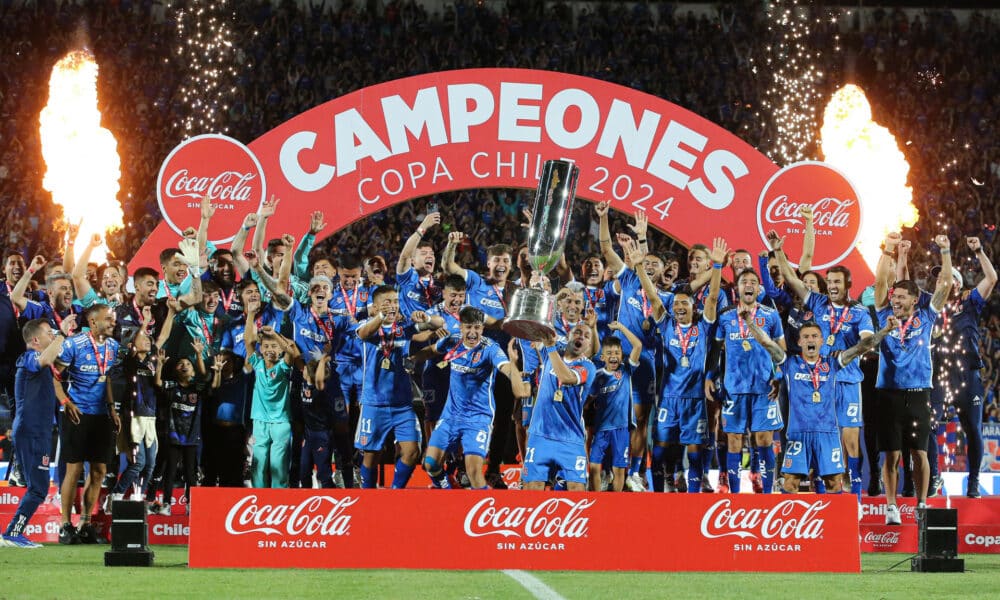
[[308, 347]]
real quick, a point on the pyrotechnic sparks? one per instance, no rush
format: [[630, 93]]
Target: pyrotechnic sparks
[[870, 157], [789, 64], [205, 48], [81, 157]]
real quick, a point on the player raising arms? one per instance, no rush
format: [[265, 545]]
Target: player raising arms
[[813, 390], [387, 396], [750, 360], [468, 413], [682, 415], [557, 438]]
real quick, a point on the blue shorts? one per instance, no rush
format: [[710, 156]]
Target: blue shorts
[[376, 422], [644, 381], [849, 405], [683, 420], [818, 451], [473, 437], [755, 410], [615, 441], [351, 376], [545, 458]]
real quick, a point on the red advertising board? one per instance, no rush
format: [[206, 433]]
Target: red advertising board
[[522, 530], [487, 128]]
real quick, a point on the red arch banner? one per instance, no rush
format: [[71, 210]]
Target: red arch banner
[[490, 128]]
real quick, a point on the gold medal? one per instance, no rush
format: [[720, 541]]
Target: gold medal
[[830, 339], [685, 362], [102, 379], [386, 364], [816, 396], [557, 397], [443, 364], [746, 345]]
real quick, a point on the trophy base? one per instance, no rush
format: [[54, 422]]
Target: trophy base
[[534, 331], [531, 317]]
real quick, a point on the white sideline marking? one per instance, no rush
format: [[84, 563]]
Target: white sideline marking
[[534, 585]]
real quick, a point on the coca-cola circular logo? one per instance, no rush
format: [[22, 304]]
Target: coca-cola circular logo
[[216, 165], [836, 211]]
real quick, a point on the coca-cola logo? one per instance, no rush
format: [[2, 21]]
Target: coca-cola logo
[[834, 202], [216, 166], [316, 515], [885, 539], [551, 518], [788, 519]]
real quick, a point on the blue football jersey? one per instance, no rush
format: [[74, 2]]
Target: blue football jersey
[[905, 363], [612, 391], [558, 413], [416, 293], [353, 306], [808, 413], [634, 312], [387, 383], [473, 372], [87, 363], [232, 336], [845, 324], [685, 379], [748, 371], [312, 331]]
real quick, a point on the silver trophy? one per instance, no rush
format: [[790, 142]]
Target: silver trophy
[[532, 310]]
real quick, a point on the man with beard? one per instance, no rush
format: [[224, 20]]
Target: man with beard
[[318, 331], [490, 294], [958, 363], [415, 270], [222, 272], [110, 278], [811, 378], [634, 311], [465, 424], [90, 420], [59, 293], [686, 339], [749, 365], [11, 339], [843, 324], [699, 266], [904, 374], [387, 397], [557, 439]]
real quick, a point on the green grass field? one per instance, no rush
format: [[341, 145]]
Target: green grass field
[[78, 571]]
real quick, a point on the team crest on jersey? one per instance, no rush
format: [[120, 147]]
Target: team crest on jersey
[[363, 439], [364, 297], [761, 321], [45, 461], [90, 357], [477, 356], [808, 316], [916, 321], [618, 374], [824, 367]]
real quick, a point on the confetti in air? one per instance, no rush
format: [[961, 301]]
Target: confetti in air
[[870, 157], [204, 47], [788, 66], [82, 166]]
